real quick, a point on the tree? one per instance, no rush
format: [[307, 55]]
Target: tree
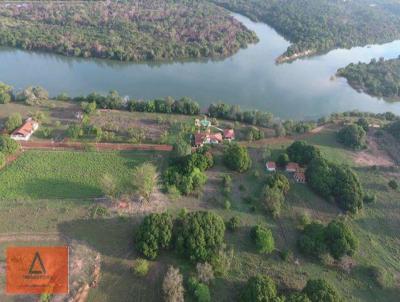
[[154, 234], [75, 131], [141, 267], [272, 199], [259, 288], [8, 146], [88, 108], [319, 290], [145, 179], [279, 181], [237, 158], [173, 286], [393, 184], [363, 123], [199, 290], [181, 147], [108, 185], [352, 136], [201, 235], [283, 159], [302, 153], [33, 95], [205, 272], [297, 297], [233, 223], [312, 241], [13, 122], [340, 239], [263, 239], [5, 93]]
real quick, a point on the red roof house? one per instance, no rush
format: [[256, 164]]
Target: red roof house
[[25, 132], [271, 166], [292, 167], [229, 134], [207, 138]]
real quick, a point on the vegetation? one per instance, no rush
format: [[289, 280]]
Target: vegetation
[[13, 122], [263, 239], [237, 158], [319, 290], [173, 286], [145, 180], [259, 288], [336, 239], [5, 93], [273, 194], [378, 78], [352, 136], [302, 153], [199, 290], [321, 25], [201, 235], [184, 105], [154, 234], [141, 267], [159, 30], [8, 146]]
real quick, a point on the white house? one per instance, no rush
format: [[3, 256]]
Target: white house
[[25, 132]]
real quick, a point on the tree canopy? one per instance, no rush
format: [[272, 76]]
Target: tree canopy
[[237, 157], [352, 136]]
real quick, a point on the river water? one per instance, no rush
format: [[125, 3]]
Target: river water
[[300, 90]]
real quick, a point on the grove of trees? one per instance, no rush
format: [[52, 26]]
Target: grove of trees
[[352, 136]]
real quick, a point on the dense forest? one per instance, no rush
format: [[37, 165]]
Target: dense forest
[[134, 30], [378, 78], [315, 26]]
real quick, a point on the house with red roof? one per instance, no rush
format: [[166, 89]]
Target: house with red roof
[[292, 167], [271, 166], [203, 138], [25, 132], [229, 134]]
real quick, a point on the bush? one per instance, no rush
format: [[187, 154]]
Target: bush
[[154, 234], [369, 198], [173, 286], [272, 199], [221, 262], [141, 267], [259, 288], [393, 184], [5, 93], [205, 272], [201, 235], [352, 136], [297, 297], [233, 223], [8, 146], [363, 123], [263, 239], [227, 204], [321, 291], [13, 122], [279, 181], [199, 290], [237, 158], [312, 241]]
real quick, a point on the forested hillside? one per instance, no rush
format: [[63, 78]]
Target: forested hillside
[[378, 78], [133, 30], [315, 26]]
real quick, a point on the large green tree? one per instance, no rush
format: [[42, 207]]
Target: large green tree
[[237, 158], [259, 289]]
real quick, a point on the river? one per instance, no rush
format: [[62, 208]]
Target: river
[[299, 90]]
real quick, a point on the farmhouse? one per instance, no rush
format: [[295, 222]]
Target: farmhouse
[[229, 134], [207, 138], [292, 167], [271, 166], [25, 132]]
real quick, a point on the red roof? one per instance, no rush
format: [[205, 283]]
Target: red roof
[[271, 165], [229, 134], [292, 166], [300, 177], [199, 138], [26, 129], [216, 136]]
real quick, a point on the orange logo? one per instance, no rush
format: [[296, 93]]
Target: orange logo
[[37, 270]]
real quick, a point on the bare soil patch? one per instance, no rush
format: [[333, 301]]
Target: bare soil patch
[[373, 155]]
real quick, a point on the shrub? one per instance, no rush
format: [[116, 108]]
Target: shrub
[[13, 122], [221, 262], [237, 158], [145, 179], [369, 198], [154, 234], [199, 290], [263, 239], [312, 241], [272, 199], [201, 235], [393, 184], [8, 146], [5, 93], [321, 291], [173, 286], [259, 288], [205, 272], [233, 223], [227, 204], [352, 136], [141, 267], [298, 297]]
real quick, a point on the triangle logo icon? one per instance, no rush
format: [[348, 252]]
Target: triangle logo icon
[[37, 266]]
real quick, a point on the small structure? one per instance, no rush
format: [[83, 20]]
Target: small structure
[[292, 167], [300, 177], [207, 138], [25, 132], [271, 166], [229, 134]]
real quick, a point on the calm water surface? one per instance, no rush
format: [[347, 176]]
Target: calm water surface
[[298, 90]]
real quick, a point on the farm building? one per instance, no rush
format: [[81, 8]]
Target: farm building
[[271, 166], [292, 167], [25, 132], [229, 134], [207, 138], [300, 177]]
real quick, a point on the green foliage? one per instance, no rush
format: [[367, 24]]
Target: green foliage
[[199, 290], [8, 146], [141, 267], [369, 198], [233, 224], [279, 181], [272, 199], [394, 129], [201, 235], [5, 93], [363, 123], [253, 134], [88, 108], [237, 158], [33, 95], [319, 290], [75, 131], [125, 37], [181, 147], [341, 183], [378, 78], [154, 234], [393, 184], [13, 122], [352, 136], [263, 239], [283, 159], [145, 179], [336, 238], [297, 297], [302, 153], [185, 105], [259, 288], [2, 159]]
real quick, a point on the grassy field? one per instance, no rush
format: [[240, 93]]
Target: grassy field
[[376, 226]]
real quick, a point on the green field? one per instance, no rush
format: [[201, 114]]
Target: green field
[[66, 175]]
